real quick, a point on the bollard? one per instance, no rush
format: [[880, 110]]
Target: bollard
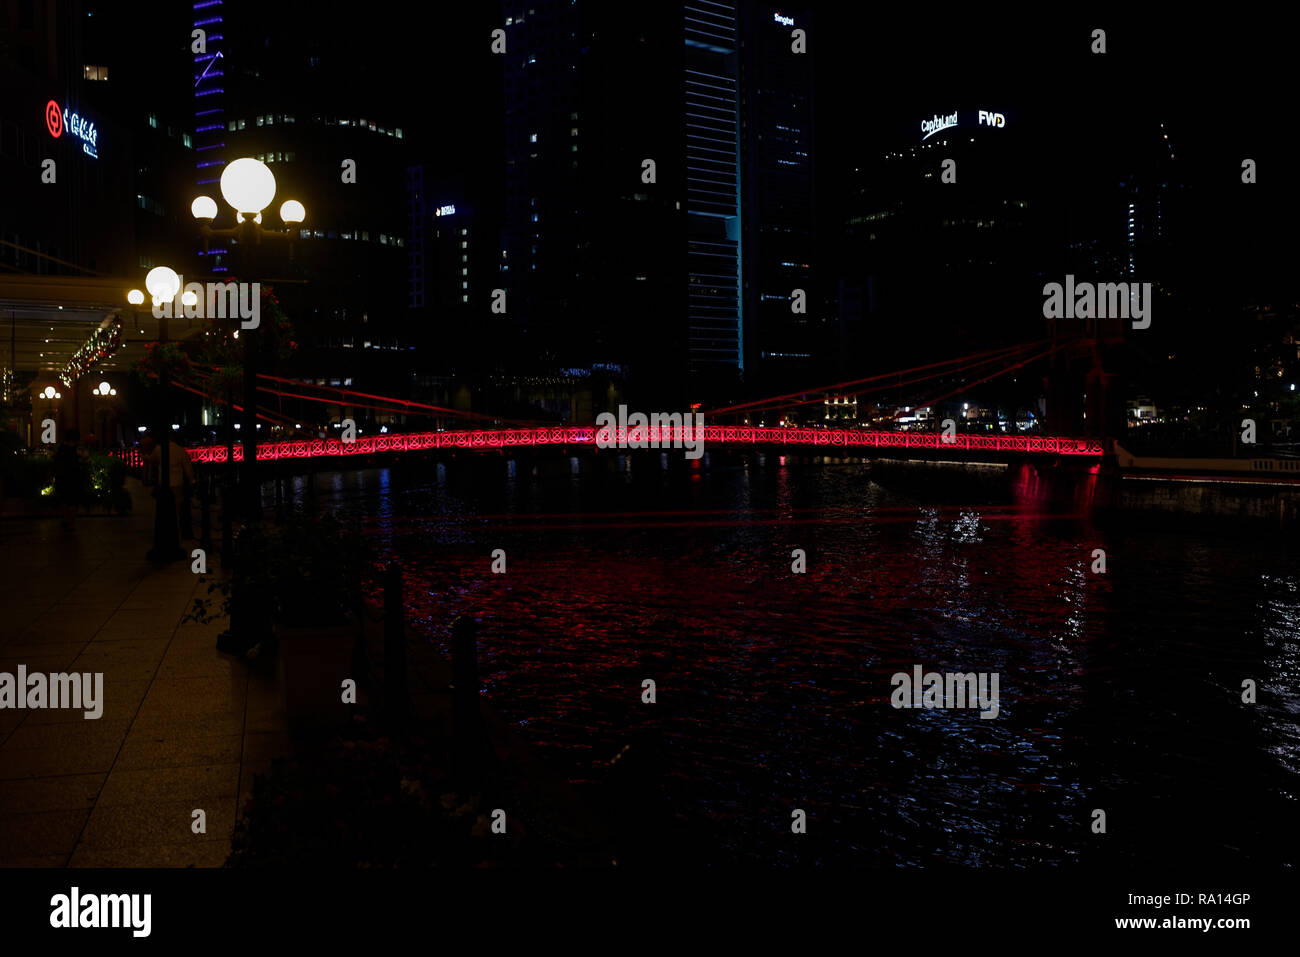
[[395, 698]]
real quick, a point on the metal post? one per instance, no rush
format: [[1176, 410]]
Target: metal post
[[166, 536]]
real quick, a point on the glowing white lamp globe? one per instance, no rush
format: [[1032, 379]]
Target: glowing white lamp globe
[[248, 185], [189, 298], [292, 212], [163, 283], [135, 297], [204, 207], [103, 388]]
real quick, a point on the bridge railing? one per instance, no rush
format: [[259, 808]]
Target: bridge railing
[[665, 438]]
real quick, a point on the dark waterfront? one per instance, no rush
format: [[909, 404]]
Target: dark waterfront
[[1119, 691]]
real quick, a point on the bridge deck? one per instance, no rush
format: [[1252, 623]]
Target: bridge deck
[[714, 435]]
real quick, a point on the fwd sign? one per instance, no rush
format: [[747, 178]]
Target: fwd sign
[[991, 119]]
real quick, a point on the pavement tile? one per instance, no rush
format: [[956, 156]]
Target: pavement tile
[[64, 793], [41, 833], [159, 822], [169, 784], [121, 701], [196, 854], [146, 749], [88, 756]]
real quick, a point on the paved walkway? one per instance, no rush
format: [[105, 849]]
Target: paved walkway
[[183, 728]]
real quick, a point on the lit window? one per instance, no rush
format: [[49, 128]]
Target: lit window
[[464, 298], [573, 131], [231, 126], [464, 285], [261, 121], [185, 138], [464, 232], [464, 272], [399, 132], [464, 244], [241, 124], [574, 148], [464, 258], [153, 121], [383, 239], [270, 120], [532, 137], [573, 116], [534, 217], [365, 235]]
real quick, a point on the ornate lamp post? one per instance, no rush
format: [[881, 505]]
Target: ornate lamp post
[[103, 395], [50, 396], [163, 285], [248, 185]]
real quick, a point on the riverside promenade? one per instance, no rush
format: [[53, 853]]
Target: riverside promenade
[[184, 727]]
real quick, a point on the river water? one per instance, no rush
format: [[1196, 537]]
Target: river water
[[1118, 691]]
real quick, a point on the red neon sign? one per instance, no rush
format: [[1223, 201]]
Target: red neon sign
[[54, 119]]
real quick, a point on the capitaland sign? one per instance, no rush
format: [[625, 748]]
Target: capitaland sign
[[937, 123], [57, 121]]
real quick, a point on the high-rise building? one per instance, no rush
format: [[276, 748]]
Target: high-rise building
[[592, 236], [647, 158], [788, 330]]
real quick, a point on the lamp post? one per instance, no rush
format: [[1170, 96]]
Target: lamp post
[[163, 284], [49, 395], [248, 185], [103, 395]]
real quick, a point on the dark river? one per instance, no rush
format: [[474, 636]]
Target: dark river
[[1119, 691]]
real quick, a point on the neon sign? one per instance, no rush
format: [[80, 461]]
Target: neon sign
[[57, 121], [784, 21], [445, 211], [938, 123]]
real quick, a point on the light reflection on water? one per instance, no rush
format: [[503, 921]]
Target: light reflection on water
[[1119, 691]]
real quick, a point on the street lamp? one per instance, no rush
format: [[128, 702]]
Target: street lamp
[[248, 186], [163, 285], [102, 395]]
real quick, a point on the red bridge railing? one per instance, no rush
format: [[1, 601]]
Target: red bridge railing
[[666, 439]]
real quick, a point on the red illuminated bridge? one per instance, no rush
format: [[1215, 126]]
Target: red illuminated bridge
[[728, 436]]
